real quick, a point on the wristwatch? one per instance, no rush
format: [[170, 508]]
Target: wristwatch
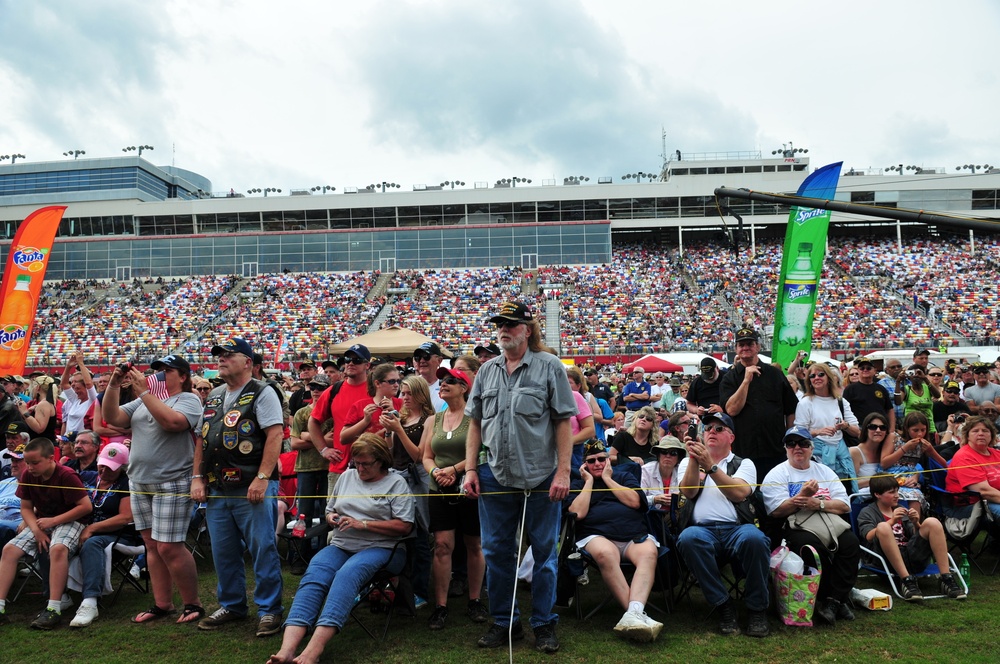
[[822, 502], [715, 467], [261, 476]]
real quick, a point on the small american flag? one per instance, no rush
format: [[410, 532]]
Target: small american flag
[[156, 387]]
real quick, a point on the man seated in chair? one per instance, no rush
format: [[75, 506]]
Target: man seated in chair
[[610, 509], [715, 528], [10, 502], [907, 541]]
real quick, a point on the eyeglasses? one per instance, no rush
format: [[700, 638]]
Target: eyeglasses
[[422, 357], [682, 424], [355, 360], [393, 381], [981, 371], [365, 464], [716, 428], [867, 367], [877, 427], [798, 442], [819, 375], [451, 380], [507, 325], [591, 462]]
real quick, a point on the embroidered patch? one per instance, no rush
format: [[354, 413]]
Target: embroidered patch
[[231, 418], [245, 399], [247, 427], [246, 447], [229, 439]]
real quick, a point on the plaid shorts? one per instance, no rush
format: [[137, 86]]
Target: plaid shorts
[[67, 534], [165, 507]]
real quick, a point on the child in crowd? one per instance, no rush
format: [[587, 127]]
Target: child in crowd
[[53, 506], [906, 541]]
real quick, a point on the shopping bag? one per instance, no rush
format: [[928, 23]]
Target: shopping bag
[[795, 594]]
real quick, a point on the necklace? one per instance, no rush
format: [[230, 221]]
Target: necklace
[[444, 424]]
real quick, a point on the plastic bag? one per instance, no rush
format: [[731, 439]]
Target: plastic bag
[[792, 563]]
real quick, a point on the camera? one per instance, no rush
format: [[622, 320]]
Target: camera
[[961, 417], [125, 367], [911, 372], [693, 431]]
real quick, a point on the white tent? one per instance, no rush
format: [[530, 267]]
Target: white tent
[[691, 361]]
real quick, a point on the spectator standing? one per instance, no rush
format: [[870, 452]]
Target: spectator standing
[[635, 395], [704, 393], [983, 391], [867, 397], [78, 393]]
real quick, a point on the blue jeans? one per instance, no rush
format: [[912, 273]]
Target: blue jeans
[[499, 516], [92, 564], [702, 545], [333, 580], [234, 524], [7, 530]]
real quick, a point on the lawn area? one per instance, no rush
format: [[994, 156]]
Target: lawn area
[[937, 630]]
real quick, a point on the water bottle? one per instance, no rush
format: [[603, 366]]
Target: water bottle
[[965, 570], [797, 298], [299, 529]]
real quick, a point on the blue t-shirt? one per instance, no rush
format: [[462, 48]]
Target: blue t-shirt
[[608, 516], [636, 388]]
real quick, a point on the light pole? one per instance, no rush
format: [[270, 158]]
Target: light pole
[[974, 167], [640, 175], [576, 179], [376, 187], [452, 183], [13, 157], [789, 150], [323, 189], [140, 148], [74, 153], [899, 168], [265, 191], [512, 182]]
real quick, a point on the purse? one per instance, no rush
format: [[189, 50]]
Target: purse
[[825, 526], [795, 594]]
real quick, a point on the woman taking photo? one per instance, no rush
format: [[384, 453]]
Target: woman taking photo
[[636, 442], [370, 511], [364, 415], [660, 480], [918, 396], [40, 416], [801, 485], [827, 417], [444, 451], [161, 466]]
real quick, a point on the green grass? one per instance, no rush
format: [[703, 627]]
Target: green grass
[[938, 630]]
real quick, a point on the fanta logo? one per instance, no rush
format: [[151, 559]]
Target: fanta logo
[[796, 292], [29, 259], [12, 337], [806, 214]]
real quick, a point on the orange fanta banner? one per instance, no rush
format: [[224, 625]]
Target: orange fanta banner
[[22, 284]]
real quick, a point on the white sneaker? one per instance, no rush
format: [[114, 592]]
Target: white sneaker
[[84, 616], [66, 603], [653, 625], [633, 626], [135, 572]]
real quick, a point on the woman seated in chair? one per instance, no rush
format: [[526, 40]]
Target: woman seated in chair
[[976, 465], [112, 514], [610, 513], [370, 511]]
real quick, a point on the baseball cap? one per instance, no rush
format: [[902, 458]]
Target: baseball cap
[[321, 381], [862, 360], [359, 350], [18, 452], [307, 365], [952, 385], [799, 431], [171, 362], [428, 348], [921, 351], [747, 334], [708, 362], [258, 359], [722, 418], [330, 363], [514, 312], [114, 456], [233, 345], [636, 370], [16, 428], [490, 348], [454, 373]]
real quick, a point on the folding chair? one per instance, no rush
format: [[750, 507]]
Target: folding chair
[[30, 568], [387, 592], [872, 561], [945, 505], [197, 531], [124, 555]]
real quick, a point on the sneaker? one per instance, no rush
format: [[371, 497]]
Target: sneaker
[[653, 624], [47, 619], [84, 616], [844, 611], [727, 619], [66, 603], [438, 617], [419, 602], [950, 587], [497, 635], [477, 612], [637, 627], [4, 620], [910, 591], [269, 623], [757, 625], [219, 618], [584, 578], [827, 610], [545, 638], [457, 587]]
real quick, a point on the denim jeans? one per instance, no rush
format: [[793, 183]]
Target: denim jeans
[[312, 483], [700, 546], [234, 525], [332, 581], [93, 562], [499, 517], [7, 530]]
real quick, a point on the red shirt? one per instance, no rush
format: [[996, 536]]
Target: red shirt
[[324, 409], [969, 467], [357, 413], [54, 496]]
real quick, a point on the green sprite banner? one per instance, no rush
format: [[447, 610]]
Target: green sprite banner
[[802, 266]]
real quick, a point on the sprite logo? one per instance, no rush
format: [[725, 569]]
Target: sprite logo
[[12, 337], [805, 214], [798, 291], [29, 259]]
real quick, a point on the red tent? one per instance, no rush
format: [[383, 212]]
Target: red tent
[[653, 363]]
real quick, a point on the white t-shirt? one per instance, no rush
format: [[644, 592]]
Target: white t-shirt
[[74, 410], [784, 482], [712, 505], [815, 412]]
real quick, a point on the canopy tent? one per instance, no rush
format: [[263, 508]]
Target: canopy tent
[[653, 363], [689, 362], [392, 343]]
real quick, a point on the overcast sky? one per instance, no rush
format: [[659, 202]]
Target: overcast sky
[[293, 95]]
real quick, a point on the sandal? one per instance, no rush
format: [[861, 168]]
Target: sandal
[[154, 613], [191, 613]]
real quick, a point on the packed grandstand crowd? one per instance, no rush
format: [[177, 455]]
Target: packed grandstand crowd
[[927, 291]]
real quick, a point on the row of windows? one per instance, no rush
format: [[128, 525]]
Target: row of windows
[[333, 252], [727, 170], [88, 179]]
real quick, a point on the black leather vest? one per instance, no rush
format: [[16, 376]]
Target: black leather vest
[[234, 442]]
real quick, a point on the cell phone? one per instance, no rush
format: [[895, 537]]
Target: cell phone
[[392, 413], [693, 431]]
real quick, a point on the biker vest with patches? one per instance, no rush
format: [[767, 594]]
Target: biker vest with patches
[[233, 440]]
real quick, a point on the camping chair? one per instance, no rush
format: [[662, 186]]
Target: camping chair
[[948, 505], [872, 561], [389, 591], [30, 567], [120, 555], [197, 531]]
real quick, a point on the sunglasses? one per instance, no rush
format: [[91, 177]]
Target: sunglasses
[[981, 371], [819, 375], [877, 427], [716, 428], [591, 462], [507, 325], [935, 375], [451, 380], [675, 453], [204, 389], [422, 357], [647, 418], [867, 367], [355, 360], [393, 381], [799, 442], [953, 391]]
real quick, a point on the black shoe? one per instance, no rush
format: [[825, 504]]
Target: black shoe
[[497, 635], [545, 638], [950, 587], [4, 620], [458, 586], [727, 619], [47, 619], [827, 610], [844, 610], [438, 617], [910, 591], [298, 566], [477, 612], [757, 625]]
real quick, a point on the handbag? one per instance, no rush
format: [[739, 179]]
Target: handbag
[[825, 526], [795, 594]]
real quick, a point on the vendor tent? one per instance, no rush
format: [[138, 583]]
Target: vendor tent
[[392, 343]]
